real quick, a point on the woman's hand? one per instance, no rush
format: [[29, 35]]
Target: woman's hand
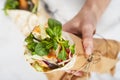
[[84, 24]]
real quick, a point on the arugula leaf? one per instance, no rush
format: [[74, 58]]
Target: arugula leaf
[[41, 50], [62, 55]]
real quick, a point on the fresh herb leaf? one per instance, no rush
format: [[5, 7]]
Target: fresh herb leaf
[[65, 43], [11, 4], [72, 49], [54, 31], [62, 55], [55, 45], [49, 44], [57, 31], [50, 32], [33, 53], [53, 23], [30, 38], [43, 47], [30, 43], [56, 27], [41, 50], [31, 46]]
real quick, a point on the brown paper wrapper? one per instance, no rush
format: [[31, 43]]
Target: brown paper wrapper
[[108, 50], [105, 50], [61, 75]]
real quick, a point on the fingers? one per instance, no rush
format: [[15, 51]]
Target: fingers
[[74, 72], [86, 29], [78, 73], [88, 45], [71, 27], [87, 35]]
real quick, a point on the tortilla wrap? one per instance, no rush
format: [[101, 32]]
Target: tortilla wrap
[[26, 20], [67, 66], [108, 57]]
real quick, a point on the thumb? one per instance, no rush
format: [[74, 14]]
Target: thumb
[[87, 36], [88, 45]]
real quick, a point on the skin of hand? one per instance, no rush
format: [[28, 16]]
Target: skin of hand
[[84, 23]]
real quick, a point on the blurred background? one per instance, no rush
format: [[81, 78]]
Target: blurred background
[[12, 62]]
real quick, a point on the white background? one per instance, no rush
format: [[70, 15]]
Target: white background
[[12, 63]]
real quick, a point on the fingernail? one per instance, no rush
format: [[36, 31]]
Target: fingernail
[[88, 51]]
